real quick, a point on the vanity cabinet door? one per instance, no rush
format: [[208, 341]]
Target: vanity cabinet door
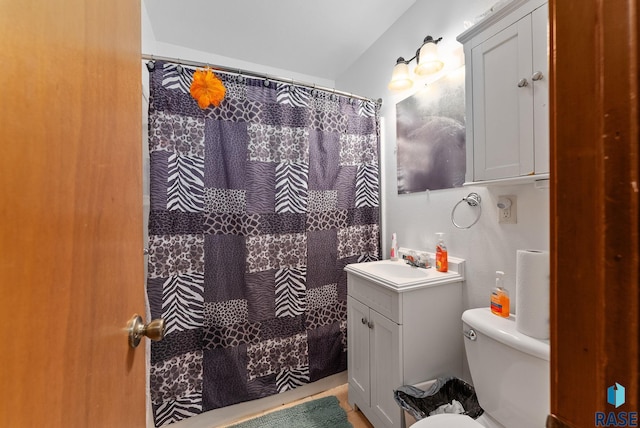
[[358, 352], [508, 94], [375, 355], [503, 104], [540, 83], [386, 368]]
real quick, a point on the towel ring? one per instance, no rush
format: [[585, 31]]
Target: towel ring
[[473, 199]]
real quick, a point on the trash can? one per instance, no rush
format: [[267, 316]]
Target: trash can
[[442, 395]]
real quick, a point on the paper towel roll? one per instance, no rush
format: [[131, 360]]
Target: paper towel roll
[[532, 293]]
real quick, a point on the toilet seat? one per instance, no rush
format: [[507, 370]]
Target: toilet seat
[[447, 420]]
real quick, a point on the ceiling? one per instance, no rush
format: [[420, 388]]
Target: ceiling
[[320, 38]]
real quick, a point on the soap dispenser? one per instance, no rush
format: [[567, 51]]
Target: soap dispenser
[[442, 261], [500, 297]]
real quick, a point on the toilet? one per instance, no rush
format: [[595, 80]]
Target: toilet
[[510, 373]]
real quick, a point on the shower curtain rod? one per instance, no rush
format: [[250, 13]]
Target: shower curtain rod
[[230, 70]]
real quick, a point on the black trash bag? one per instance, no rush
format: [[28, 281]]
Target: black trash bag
[[420, 403]]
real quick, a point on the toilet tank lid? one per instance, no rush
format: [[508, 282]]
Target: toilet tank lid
[[504, 330]]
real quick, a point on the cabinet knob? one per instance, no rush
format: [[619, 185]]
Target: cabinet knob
[[364, 320], [537, 76], [522, 83], [370, 324]]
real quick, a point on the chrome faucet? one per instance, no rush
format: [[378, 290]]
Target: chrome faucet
[[419, 262]]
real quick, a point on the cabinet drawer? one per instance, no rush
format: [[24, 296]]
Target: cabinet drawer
[[380, 299]]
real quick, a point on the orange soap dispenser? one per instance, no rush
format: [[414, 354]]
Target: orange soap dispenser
[[500, 297], [442, 259]]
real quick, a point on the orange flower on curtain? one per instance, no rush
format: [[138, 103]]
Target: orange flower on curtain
[[207, 88]]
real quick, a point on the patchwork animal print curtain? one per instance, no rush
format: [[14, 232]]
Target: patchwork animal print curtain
[[256, 207]]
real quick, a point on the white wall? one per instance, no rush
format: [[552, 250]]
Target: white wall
[[151, 46], [487, 246]]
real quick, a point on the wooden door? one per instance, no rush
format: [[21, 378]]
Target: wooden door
[[595, 290], [71, 262]]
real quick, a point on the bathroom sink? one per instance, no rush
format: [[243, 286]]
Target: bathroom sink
[[400, 276], [395, 270]]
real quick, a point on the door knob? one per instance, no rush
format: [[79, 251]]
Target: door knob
[[137, 328]]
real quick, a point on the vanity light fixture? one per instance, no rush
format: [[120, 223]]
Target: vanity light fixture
[[427, 62]]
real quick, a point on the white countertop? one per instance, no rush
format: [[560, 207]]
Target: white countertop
[[400, 277]]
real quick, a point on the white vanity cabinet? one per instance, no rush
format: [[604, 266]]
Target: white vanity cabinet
[[507, 93], [403, 327]]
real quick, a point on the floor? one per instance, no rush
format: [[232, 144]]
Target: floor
[[356, 417]]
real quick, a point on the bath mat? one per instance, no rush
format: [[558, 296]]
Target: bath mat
[[321, 413]]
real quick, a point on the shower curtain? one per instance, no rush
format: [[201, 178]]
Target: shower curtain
[[256, 207]]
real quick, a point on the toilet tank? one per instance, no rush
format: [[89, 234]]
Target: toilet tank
[[510, 371]]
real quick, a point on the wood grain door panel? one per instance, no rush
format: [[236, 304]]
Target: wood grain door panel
[[71, 263]]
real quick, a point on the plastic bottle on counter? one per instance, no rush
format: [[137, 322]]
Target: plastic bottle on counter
[[442, 262], [393, 254]]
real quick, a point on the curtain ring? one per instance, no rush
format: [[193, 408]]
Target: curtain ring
[[473, 199]]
